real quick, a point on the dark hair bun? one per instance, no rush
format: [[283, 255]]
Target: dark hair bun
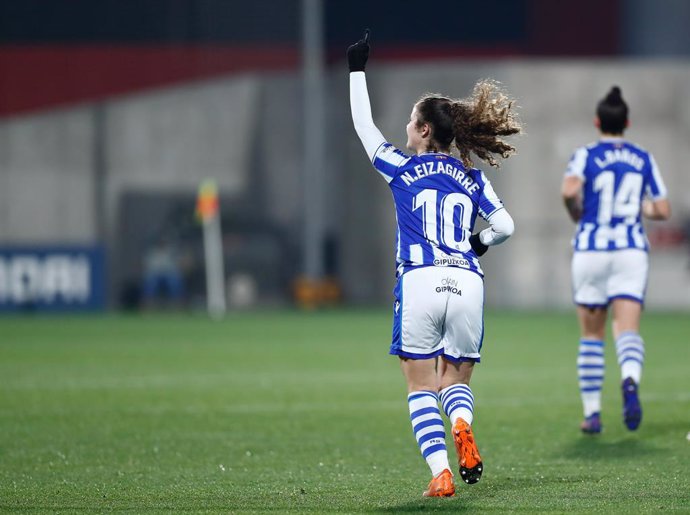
[[614, 96]]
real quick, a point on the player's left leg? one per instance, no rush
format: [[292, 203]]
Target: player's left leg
[[427, 423], [590, 278], [590, 365], [418, 318]]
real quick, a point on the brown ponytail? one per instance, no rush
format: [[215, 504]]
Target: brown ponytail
[[613, 112], [474, 124]]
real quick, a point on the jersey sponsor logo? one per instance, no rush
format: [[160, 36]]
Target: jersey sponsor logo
[[449, 285], [451, 261]]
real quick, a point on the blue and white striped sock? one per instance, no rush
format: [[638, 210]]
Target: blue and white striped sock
[[590, 373], [427, 425], [458, 401], [630, 352]]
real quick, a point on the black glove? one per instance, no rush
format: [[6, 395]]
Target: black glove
[[477, 245], [358, 54]]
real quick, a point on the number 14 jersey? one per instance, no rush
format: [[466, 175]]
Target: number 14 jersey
[[437, 201], [616, 176]]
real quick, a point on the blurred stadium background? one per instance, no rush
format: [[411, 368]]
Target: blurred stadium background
[[112, 113]]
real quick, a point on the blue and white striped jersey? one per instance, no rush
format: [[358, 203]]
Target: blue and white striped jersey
[[616, 176], [437, 201]]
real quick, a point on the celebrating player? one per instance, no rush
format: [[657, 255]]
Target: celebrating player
[[603, 191], [439, 296]]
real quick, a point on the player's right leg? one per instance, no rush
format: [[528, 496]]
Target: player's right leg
[[458, 404], [630, 351], [464, 329], [590, 275], [626, 290]]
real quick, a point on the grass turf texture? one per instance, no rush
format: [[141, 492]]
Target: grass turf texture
[[294, 412]]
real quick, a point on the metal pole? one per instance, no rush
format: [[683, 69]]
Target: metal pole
[[215, 275], [99, 171], [208, 209], [100, 200], [314, 137]]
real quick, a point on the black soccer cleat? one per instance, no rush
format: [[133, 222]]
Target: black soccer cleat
[[632, 411], [591, 425]]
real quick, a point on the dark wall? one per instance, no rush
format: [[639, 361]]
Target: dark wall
[[524, 26], [438, 22], [149, 21], [58, 52]]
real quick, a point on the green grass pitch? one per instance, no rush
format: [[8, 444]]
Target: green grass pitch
[[306, 412]]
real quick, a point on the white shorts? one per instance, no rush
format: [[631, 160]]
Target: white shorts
[[599, 277], [438, 311]]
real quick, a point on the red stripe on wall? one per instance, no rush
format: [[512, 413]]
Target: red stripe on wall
[[42, 77], [434, 52], [582, 28]]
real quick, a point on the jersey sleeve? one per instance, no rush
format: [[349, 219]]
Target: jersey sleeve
[[656, 189], [501, 228], [388, 160], [489, 202], [576, 166]]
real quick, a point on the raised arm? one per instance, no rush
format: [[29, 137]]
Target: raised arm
[[369, 134]]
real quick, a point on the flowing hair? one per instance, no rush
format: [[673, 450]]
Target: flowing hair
[[475, 124]]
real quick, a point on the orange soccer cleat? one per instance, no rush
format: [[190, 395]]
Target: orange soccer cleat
[[468, 455], [441, 486]]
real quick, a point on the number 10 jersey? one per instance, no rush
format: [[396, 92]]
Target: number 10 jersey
[[437, 201]]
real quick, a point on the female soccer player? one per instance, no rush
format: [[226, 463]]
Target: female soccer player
[[439, 296], [603, 191]]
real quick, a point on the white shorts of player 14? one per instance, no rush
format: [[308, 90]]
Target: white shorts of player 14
[[438, 311], [601, 276]]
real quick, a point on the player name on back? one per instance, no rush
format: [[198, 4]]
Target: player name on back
[[620, 155], [430, 168]]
